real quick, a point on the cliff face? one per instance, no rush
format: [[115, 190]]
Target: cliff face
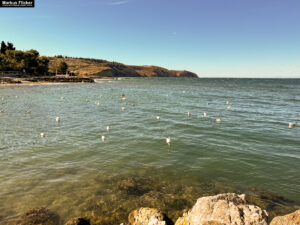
[[100, 68]]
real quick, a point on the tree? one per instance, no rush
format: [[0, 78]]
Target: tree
[[3, 47], [10, 46], [62, 67], [43, 65]]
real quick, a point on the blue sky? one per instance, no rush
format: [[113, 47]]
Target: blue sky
[[234, 38]]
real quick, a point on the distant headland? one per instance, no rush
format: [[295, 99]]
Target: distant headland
[[18, 66]]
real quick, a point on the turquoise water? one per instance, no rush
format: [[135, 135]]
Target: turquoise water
[[72, 172]]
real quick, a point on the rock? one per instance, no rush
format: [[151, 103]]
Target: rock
[[224, 209], [290, 219], [148, 216], [38, 216], [78, 221]]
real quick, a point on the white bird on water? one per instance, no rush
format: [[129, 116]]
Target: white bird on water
[[57, 119], [62, 98], [158, 117], [189, 114], [1, 111], [123, 108], [228, 107], [204, 114], [123, 99], [227, 103], [103, 138], [43, 135], [218, 120], [168, 141], [107, 128], [292, 125]]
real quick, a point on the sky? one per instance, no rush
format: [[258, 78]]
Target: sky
[[213, 38]]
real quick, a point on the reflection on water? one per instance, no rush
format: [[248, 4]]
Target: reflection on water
[[74, 173]]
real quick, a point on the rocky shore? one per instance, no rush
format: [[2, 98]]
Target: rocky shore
[[45, 79], [221, 209]]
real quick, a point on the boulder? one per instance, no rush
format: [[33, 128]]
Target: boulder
[[290, 219], [224, 209], [37, 216], [148, 216]]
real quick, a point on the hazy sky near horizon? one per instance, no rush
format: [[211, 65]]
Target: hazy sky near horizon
[[236, 38]]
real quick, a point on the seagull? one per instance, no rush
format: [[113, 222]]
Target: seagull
[[43, 135], [189, 114], [103, 138], [299, 115], [123, 99], [123, 108], [132, 105], [158, 117], [204, 114], [1, 111], [57, 119], [107, 128], [228, 107], [62, 98], [87, 100], [28, 112], [292, 125], [227, 103], [168, 141], [218, 120]]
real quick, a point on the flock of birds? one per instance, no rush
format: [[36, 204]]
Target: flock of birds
[[168, 139]]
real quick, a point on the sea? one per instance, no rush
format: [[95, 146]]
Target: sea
[[75, 172]]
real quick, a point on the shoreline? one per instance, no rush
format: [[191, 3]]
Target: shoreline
[[223, 208], [16, 81]]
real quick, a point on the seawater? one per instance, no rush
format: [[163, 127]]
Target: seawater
[[74, 173]]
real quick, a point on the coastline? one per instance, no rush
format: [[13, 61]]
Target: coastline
[[38, 80]]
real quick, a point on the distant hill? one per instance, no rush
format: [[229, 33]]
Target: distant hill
[[96, 68]]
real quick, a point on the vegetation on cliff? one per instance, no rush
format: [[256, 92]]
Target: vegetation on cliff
[[97, 68], [29, 62]]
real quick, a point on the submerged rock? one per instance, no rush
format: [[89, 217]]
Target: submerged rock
[[37, 216], [290, 219], [78, 221], [148, 216], [224, 209], [134, 186]]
